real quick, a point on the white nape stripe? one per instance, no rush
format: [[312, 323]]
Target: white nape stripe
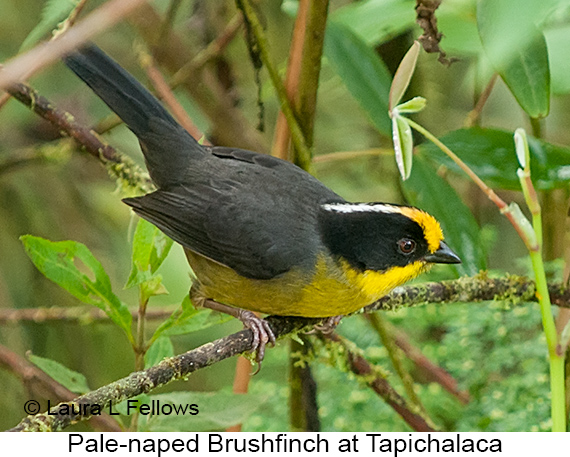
[[362, 208]]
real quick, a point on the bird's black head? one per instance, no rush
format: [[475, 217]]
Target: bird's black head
[[377, 236]]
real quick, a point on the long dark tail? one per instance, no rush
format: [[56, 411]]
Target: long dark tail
[[167, 147]]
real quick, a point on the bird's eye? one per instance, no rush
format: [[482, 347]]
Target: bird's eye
[[406, 246]]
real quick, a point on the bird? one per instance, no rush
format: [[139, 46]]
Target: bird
[[262, 235]]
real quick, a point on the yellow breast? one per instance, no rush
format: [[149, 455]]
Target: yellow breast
[[333, 288]]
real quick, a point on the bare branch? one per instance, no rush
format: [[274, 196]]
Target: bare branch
[[360, 366]]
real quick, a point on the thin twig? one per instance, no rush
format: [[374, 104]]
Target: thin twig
[[4, 97], [303, 151], [364, 370], [25, 65], [349, 155], [432, 371], [210, 52], [145, 381], [79, 314], [474, 115], [388, 341], [306, 94], [228, 123], [166, 95], [120, 165], [303, 403]]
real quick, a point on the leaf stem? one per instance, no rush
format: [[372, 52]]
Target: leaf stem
[[503, 207], [533, 242]]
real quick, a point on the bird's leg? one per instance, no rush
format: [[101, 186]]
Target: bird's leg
[[328, 325], [262, 333]]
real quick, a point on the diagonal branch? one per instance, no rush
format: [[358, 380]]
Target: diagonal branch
[[514, 289], [413, 416], [47, 387], [120, 165], [25, 65], [168, 370]]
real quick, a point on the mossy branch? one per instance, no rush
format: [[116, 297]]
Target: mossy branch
[[120, 166], [513, 289]]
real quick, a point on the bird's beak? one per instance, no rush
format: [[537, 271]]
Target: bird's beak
[[443, 255]]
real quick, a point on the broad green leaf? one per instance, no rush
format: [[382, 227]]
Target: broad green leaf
[[377, 21], [188, 319], [428, 191], [216, 410], [70, 379], [403, 145], [54, 12], [364, 74], [150, 248], [528, 78], [403, 75], [517, 50], [160, 349], [491, 155], [558, 41], [57, 262]]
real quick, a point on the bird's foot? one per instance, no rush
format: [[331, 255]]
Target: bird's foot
[[262, 334], [328, 325]]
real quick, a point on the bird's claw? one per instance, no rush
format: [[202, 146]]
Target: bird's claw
[[327, 326], [262, 335]]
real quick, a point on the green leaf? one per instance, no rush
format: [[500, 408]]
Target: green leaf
[[70, 379], [364, 74], [415, 105], [403, 145], [217, 410], [159, 350], [428, 191], [528, 78], [491, 155], [54, 12], [377, 21], [558, 41], [457, 22], [56, 261], [150, 248], [521, 148], [188, 319], [518, 52], [403, 75]]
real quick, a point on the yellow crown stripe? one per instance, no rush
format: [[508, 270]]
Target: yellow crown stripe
[[432, 229]]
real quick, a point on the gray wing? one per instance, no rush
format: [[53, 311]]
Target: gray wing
[[251, 212]]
